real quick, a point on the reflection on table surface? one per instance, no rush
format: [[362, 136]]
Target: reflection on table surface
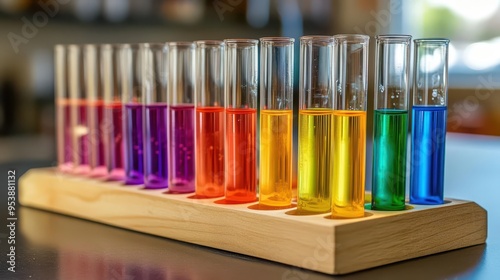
[[53, 246]]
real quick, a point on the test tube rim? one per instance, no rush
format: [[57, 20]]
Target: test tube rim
[[209, 43], [181, 45], [241, 42], [434, 41], [323, 40], [393, 38], [277, 41], [352, 39]]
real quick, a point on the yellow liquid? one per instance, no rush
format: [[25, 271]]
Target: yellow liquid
[[349, 140], [315, 160], [275, 180]]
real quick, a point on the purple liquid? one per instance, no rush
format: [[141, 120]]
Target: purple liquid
[[134, 164], [64, 143], [114, 142], [182, 161], [156, 146], [80, 132], [96, 135]]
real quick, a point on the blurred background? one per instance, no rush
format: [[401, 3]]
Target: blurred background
[[30, 28]]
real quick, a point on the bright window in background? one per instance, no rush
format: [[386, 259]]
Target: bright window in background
[[473, 28]]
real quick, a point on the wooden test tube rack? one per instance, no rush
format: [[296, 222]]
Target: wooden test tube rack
[[316, 242]]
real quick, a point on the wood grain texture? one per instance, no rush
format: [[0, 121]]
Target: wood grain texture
[[314, 242]]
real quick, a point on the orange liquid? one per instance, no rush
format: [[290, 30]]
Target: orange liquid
[[209, 151], [241, 175]]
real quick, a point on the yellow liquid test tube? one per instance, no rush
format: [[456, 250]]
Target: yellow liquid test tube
[[276, 126], [349, 138], [349, 125], [315, 160], [315, 154], [275, 157]]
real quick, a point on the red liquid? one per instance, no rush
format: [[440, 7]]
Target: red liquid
[[96, 136], [114, 142], [241, 174], [209, 151], [81, 139], [64, 142]]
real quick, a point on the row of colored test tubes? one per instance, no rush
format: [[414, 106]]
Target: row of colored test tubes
[[183, 115]]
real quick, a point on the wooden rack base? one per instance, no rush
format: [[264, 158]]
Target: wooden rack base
[[314, 242]]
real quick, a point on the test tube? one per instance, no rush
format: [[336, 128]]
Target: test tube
[[428, 137], [315, 154], [390, 121], [209, 119], [63, 110], [79, 119], [241, 120], [95, 111], [276, 121], [132, 71], [349, 125], [155, 116], [113, 112], [181, 117]]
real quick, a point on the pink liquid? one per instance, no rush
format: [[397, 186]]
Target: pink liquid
[[96, 135], [114, 140], [81, 139], [63, 131]]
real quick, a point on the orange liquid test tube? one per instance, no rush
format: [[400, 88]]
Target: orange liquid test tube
[[241, 118]]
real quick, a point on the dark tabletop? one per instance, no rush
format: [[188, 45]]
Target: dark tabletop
[[53, 246]]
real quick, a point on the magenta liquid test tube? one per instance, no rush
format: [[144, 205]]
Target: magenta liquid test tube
[[78, 119], [95, 111], [131, 70], [181, 117], [155, 116], [63, 111], [113, 112]]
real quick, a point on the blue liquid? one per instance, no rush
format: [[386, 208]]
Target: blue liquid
[[134, 164], [427, 154]]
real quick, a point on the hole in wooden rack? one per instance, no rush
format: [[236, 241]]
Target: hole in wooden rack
[[368, 206], [224, 201], [444, 202], [259, 206], [195, 196], [173, 192], [144, 188], [296, 212], [367, 214]]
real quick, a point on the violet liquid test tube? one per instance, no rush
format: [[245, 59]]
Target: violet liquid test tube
[[428, 134], [79, 123], [155, 116], [132, 72], [181, 117], [113, 112], [95, 112], [63, 110]]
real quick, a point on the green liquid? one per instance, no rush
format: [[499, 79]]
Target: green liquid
[[389, 159]]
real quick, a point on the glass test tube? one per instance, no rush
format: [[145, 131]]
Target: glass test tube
[[79, 119], [241, 120], [315, 154], [181, 117], [132, 71], [95, 107], [155, 116], [209, 119], [430, 94], [113, 112], [276, 116], [390, 121], [349, 125], [63, 110]]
